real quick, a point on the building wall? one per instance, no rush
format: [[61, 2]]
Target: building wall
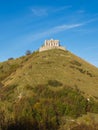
[[51, 44], [44, 48]]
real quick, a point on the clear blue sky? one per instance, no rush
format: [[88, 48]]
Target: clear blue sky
[[25, 24]]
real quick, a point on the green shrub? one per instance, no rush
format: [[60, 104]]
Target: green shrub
[[54, 83], [74, 62]]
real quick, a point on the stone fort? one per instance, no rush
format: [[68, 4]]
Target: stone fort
[[51, 44]]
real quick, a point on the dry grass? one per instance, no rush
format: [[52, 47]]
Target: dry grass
[[39, 68]]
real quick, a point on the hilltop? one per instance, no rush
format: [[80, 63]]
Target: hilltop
[[53, 81]]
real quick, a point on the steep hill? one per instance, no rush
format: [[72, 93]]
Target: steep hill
[[49, 90], [39, 68]]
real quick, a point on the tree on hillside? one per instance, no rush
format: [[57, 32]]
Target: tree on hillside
[[11, 58], [28, 52]]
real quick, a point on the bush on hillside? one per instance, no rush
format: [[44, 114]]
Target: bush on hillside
[[28, 52], [45, 107], [54, 83], [11, 58]]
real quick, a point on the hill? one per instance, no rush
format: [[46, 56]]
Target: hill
[[39, 68], [45, 87]]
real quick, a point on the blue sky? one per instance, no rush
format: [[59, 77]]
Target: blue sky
[[25, 24]]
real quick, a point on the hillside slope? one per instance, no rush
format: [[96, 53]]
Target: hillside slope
[[50, 90], [39, 68]]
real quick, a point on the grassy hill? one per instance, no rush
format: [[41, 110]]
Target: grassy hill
[[39, 68], [45, 89]]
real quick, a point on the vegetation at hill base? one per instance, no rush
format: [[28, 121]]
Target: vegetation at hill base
[[44, 107]]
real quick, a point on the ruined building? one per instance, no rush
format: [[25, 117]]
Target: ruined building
[[51, 44]]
